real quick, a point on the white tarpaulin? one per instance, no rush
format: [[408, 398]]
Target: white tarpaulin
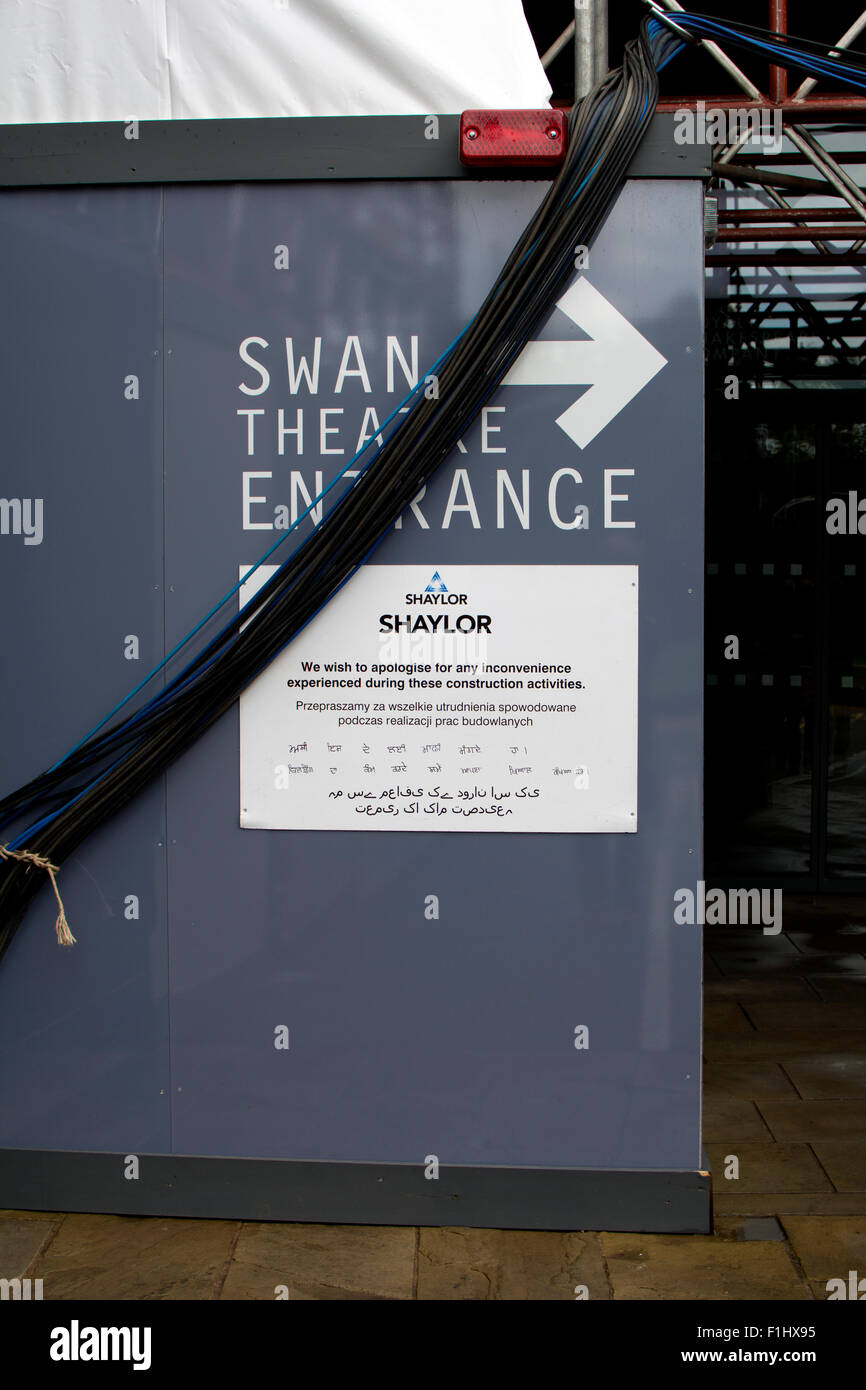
[[100, 60]]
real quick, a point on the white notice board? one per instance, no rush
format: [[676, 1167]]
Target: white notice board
[[478, 697]]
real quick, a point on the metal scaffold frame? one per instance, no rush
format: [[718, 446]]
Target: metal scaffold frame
[[769, 240], [588, 32]]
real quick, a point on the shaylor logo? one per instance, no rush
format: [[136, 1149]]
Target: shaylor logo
[[438, 597]]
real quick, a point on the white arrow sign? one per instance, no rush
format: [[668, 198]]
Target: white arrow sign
[[616, 362]]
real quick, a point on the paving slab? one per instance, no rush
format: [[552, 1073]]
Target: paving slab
[[768, 1168], [481, 1265], [834, 1076], [776, 1016], [835, 989], [20, 1243], [135, 1257], [748, 1228], [745, 988], [313, 1263], [844, 1161], [735, 1203], [723, 1017], [814, 1119], [747, 1080], [751, 962], [822, 909], [828, 1246], [726, 1121], [32, 1215], [699, 1267], [782, 1043], [821, 942], [751, 943]]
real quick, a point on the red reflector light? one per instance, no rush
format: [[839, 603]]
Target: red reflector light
[[513, 137]]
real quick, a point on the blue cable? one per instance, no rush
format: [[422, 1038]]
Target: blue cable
[[51, 816], [179, 680], [182, 677], [46, 820], [186, 676], [784, 55], [323, 604], [231, 592], [585, 181], [663, 64]]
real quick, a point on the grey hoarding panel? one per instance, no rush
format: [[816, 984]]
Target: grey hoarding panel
[[84, 1030], [412, 1037]]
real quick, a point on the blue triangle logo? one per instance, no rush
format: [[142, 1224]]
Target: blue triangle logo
[[436, 585]]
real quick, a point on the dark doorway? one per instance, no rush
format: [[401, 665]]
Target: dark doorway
[[785, 719]]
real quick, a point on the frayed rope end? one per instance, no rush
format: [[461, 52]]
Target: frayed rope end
[[64, 935], [61, 926]]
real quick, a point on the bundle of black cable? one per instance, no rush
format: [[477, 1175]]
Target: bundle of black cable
[[65, 804]]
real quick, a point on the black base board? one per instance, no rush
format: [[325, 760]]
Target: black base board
[[388, 1194]]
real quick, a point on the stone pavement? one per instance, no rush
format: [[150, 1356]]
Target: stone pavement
[[785, 1096]]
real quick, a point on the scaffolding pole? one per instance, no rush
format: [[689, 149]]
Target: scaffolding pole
[[590, 45]]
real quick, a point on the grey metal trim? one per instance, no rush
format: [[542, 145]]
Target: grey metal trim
[[247, 1189], [314, 147]]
